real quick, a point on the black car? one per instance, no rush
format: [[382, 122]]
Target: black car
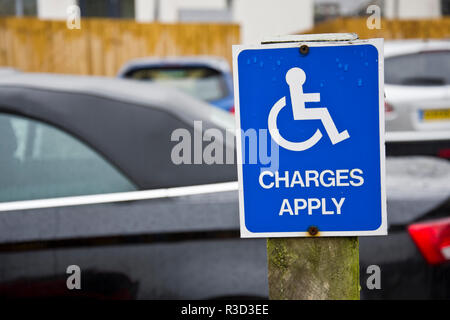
[[88, 181], [64, 136], [414, 259]]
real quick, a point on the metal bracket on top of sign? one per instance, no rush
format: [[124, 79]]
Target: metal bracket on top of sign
[[320, 37]]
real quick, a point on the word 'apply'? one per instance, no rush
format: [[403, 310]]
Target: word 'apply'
[[311, 178]]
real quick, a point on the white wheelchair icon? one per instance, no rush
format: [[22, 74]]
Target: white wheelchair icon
[[295, 78]]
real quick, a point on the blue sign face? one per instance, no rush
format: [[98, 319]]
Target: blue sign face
[[310, 140]]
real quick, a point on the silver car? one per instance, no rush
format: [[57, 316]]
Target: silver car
[[417, 86]]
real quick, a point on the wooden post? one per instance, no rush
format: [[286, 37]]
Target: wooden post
[[313, 268]]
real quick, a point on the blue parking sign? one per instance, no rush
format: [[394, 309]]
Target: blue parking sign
[[310, 139]]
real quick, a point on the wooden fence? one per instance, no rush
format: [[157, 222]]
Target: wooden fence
[[102, 46], [390, 29]]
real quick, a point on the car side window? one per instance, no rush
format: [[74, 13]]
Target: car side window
[[40, 161], [201, 82], [423, 69]]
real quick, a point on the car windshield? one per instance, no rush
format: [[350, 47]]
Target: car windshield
[[201, 82], [421, 69]]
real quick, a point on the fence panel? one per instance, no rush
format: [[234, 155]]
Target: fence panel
[[102, 46], [390, 29]]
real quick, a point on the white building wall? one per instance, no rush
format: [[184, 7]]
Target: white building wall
[[257, 18], [53, 9], [412, 9], [168, 9], [260, 19], [144, 10]]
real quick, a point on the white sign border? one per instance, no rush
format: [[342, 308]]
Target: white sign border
[[378, 43]]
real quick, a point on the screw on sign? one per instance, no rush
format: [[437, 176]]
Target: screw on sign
[[321, 99]]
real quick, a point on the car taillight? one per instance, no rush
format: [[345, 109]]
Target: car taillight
[[232, 110], [433, 239], [444, 153], [388, 108]]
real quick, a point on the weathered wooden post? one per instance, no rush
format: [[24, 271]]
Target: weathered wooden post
[[313, 268]]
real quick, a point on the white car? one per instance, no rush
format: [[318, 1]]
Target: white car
[[417, 87]]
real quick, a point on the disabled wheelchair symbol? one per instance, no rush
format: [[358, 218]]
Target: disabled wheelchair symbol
[[295, 78]]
